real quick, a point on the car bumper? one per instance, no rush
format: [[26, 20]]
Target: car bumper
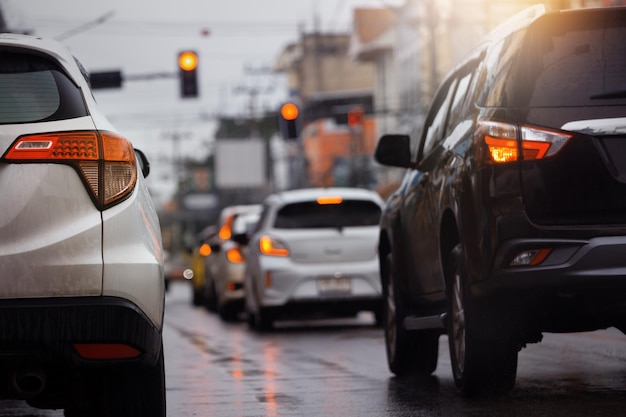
[[580, 285], [46, 329], [282, 283]]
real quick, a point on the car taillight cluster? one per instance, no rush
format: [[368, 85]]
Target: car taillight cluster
[[104, 160], [272, 247], [534, 143]]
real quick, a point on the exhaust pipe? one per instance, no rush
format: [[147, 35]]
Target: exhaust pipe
[[27, 383]]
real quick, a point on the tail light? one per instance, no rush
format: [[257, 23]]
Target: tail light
[[205, 250], [234, 256], [272, 247], [106, 351], [105, 161], [329, 199], [226, 230], [502, 143]]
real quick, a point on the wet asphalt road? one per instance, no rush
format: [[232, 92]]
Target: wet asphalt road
[[337, 368]]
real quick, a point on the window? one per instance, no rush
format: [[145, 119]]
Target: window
[[574, 63], [33, 89], [311, 215], [436, 122], [459, 101]]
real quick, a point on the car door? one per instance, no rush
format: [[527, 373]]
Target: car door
[[420, 207]]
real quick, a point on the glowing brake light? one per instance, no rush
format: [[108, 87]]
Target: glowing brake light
[[205, 249], [329, 200], [272, 247], [502, 141], [226, 230], [104, 160], [234, 256]]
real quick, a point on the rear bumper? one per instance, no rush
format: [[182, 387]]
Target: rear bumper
[[319, 308], [580, 286], [282, 282], [45, 329]]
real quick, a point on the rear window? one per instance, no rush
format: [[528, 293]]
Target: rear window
[[311, 215], [574, 59], [34, 89]]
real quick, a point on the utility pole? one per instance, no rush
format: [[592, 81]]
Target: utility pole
[[3, 24], [253, 91]]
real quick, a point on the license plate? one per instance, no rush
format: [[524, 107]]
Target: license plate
[[334, 286]]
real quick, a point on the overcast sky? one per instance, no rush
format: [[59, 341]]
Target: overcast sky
[[234, 38]]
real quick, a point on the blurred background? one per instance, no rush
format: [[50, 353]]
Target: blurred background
[[215, 135]]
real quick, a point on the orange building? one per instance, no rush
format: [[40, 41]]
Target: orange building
[[339, 154]]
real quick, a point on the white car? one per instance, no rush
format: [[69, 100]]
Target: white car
[[314, 252], [81, 260], [225, 266]]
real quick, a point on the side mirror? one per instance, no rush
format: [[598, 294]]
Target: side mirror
[[393, 150], [143, 162]]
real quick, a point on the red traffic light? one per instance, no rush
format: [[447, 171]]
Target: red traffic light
[[355, 116], [188, 60], [289, 111]]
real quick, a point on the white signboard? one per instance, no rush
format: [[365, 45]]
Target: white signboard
[[240, 163]]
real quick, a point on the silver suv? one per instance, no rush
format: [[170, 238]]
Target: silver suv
[[81, 262]]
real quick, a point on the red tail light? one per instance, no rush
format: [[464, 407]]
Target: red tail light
[[106, 351], [104, 160], [502, 143]]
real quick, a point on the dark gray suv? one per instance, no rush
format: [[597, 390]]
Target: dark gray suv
[[510, 220]]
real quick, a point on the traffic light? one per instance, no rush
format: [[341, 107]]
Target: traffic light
[[188, 73], [105, 79], [355, 116], [288, 121]]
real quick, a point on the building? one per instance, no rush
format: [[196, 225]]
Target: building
[[328, 85]]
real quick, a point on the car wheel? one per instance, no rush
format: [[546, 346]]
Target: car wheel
[[123, 392], [196, 297], [481, 363], [211, 298], [228, 312], [413, 352], [251, 319], [263, 320]]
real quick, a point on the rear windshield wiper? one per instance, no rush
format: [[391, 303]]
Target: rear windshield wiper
[[610, 95]]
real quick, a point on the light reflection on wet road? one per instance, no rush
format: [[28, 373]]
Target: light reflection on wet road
[[338, 368]]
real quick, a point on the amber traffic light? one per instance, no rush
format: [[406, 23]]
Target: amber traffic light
[[288, 121], [289, 111], [188, 68]]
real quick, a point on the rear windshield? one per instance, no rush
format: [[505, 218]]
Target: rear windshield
[[311, 215], [574, 59], [34, 89]]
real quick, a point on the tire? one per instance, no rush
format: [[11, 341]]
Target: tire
[[481, 363], [228, 312], [264, 321], [196, 297], [211, 298], [251, 319], [123, 392], [408, 353]]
